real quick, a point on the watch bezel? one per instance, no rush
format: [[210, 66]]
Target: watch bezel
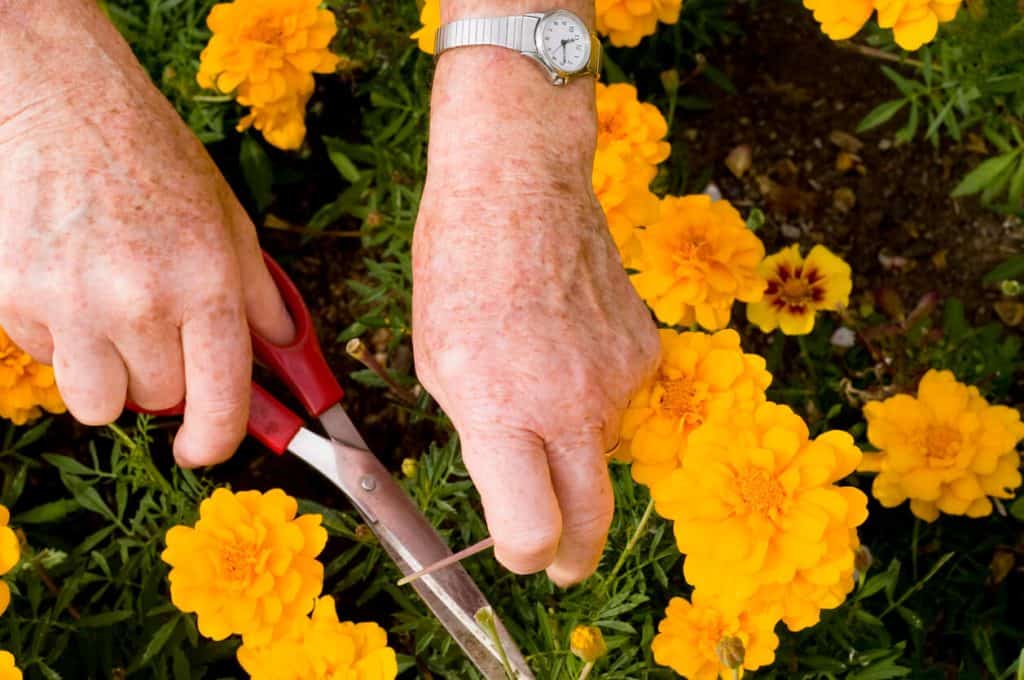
[[558, 73]]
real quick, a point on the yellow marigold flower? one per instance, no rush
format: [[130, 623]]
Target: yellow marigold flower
[[322, 648], [823, 586], [248, 567], [841, 19], [701, 640], [702, 377], [947, 450], [10, 555], [915, 22], [8, 671], [798, 288], [430, 17], [622, 188], [696, 260], [282, 122], [636, 129], [627, 22], [266, 49], [587, 643], [26, 386], [754, 501]]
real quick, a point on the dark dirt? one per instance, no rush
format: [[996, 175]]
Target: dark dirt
[[795, 89]]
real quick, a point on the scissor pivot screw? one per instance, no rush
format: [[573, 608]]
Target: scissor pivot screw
[[368, 483]]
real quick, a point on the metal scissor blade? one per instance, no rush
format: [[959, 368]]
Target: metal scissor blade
[[412, 543]]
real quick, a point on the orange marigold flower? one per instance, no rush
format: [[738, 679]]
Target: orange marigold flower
[[26, 386], [841, 19], [755, 502], [10, 555], [630, 144], [430, 17], [696, 260], [248, 567], [798, 288], [266, 52], [706, 640], [622, 188], [823, 586], [635, 129], [702, 377], [322, 648], [282, 122], [627, 22], [915, 22], [8, 671], [947, 450]]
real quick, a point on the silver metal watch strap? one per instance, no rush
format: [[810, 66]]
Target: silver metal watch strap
[[515, 33]]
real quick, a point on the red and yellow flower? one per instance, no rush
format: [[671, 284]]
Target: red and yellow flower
[[799, 288]]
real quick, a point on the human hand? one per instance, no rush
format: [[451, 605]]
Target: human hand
[[125, 259], [526, 328]]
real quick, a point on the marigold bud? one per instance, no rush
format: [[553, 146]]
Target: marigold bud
[[587, 643], [670, 80], [364, 534], [862, 559], [1011, 288], [409, 467], [731, 652]]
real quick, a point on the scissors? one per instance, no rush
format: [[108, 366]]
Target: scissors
[[346, 461]]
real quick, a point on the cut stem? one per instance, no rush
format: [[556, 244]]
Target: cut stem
[[448, 561], [485, 618], [358, 351], [585, 673]]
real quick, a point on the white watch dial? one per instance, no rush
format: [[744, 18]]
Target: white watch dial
[[565, 42]]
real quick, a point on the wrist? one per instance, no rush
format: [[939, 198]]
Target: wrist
[[458, 9]]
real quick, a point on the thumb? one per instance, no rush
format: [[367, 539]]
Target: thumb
[[264, 308], [510, 470]]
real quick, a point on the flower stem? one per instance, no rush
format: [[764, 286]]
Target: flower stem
[[358, 351], [637, 533], [585, 673]]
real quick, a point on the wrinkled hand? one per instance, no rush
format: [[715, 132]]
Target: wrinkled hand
[[526, 328], [125, 260]]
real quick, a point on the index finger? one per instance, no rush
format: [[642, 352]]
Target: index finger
[[218, 372]]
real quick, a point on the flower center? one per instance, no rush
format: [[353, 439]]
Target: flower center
[[941, 445], [679, 399], [795, 292], [760, 490], [238, 561], [265, 30], [688, 251]]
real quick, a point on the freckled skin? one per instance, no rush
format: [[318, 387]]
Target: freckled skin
[[526, 328], [124, 257]]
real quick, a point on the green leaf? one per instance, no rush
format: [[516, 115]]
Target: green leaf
[[881, 114], [882, 671], [1020, 665], [257, 170], [48, 512], [48, 672], [341, 160], [157, 642], [105, 619], [1017, 187], [87, 496], [68, 464], [1017, 509], [1010, 268], [983, 175], [34, 434], [718, 78], [954, 323]]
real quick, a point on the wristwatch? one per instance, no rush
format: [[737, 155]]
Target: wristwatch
[[558, 40]]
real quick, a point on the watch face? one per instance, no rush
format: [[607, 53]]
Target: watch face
[[565, 42]]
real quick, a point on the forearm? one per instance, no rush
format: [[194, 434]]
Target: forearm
[[515, 128]]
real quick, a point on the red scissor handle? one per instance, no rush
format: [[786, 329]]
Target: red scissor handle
[[300, 364]]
